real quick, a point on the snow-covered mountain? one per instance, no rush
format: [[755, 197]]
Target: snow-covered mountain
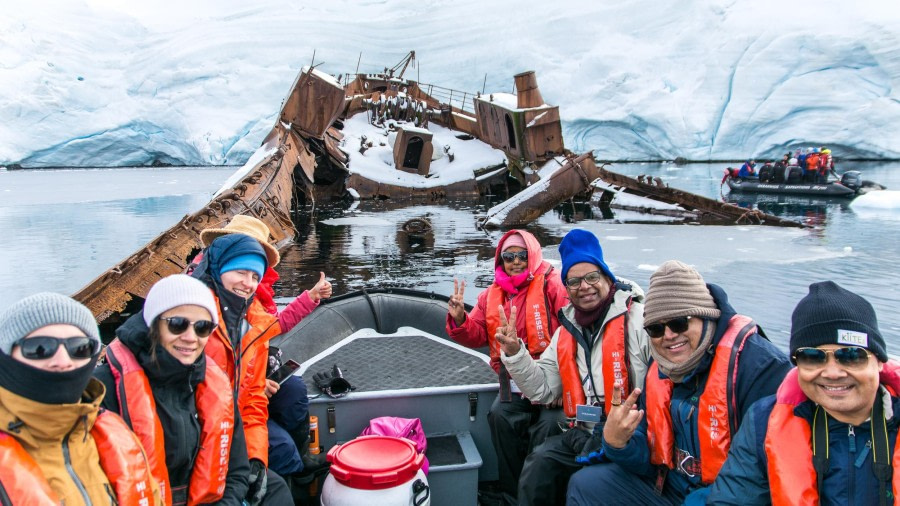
[[111, 82]]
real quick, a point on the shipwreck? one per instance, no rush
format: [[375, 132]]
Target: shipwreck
[[385, 136]]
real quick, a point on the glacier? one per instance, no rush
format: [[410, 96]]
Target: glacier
[[112, 83]]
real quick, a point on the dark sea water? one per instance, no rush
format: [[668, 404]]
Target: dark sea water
[[62, 228]]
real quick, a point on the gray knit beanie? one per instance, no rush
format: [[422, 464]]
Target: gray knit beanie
[[40, 310], [676, 289], [178, 290]]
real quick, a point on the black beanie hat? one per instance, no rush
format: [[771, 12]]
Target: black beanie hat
[[830, 314]]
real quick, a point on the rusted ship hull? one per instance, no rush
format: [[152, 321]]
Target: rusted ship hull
[[301, 160], [265, 193]]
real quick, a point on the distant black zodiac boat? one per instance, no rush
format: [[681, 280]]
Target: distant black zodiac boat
[[849, 186]]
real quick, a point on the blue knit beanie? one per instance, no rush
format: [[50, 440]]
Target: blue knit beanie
[[582, 246], [248, 262]]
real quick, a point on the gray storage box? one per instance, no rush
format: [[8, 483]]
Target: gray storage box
[[454, 462], [408, 374]]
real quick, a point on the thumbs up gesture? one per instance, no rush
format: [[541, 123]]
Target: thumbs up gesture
[[321, 290]]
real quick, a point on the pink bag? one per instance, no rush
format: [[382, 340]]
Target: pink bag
[[407, 428]]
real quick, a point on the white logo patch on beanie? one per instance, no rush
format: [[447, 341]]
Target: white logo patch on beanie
[[853, 337]]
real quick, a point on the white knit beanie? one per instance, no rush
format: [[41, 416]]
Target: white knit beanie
[[40, 310], [178, 290]]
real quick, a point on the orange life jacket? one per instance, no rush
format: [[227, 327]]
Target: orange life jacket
[[613, 347], [246, 372], [121, 457], [215, 410], [717, 409], [537, 322], [792, 477]]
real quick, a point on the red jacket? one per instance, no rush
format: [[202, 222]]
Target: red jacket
[[473, 333]]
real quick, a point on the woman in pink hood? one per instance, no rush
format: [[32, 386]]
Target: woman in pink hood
[[522, 279]]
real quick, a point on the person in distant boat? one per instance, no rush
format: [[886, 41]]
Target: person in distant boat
[[179, 403], [812, 167], [56, 445], [600, 344], [829, 435], [748, 170], [288, 423], [232, 267], [666, 443], [521, 278]]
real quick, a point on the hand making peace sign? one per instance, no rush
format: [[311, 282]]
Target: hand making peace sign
[[456, 306], [622, 419], [506, 332]]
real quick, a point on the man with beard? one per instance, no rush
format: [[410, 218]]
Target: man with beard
[[599, 344]]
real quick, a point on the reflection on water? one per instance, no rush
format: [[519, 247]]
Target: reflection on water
[[61, 230], [765, 270]]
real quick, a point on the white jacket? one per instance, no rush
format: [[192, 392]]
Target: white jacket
[[540, 380]]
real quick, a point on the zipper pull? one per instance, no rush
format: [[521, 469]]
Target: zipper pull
[[852, 436], [862, 455]]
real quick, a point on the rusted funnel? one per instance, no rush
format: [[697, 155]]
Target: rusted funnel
[[527, 92]]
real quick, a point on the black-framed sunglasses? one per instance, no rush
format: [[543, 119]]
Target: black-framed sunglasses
[[676, 325], [592, 278], [509, 256], [44, 347], [179, 324], [850, 357]]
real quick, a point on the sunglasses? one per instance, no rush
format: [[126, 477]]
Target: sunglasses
[[509, 256], [676, 325], [592, 278], [44, 347], [179, 325], [851, 357]]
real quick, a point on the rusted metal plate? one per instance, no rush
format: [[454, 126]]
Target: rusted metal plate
[[655, 188], [574, 177]]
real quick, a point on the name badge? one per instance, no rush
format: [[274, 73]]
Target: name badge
[[852, 337], [585, 413], [513, 387]]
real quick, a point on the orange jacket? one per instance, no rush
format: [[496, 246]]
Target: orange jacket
[[792, 477], [715, 409], [533, 313], [615, 367], [251, 375], [215, 408], [121, 458]]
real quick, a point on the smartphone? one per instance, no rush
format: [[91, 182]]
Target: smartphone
[[284, 372]]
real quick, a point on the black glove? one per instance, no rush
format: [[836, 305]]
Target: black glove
[[258, 483], [332, 383]]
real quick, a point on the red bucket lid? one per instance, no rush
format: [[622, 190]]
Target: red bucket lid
[[375, 462]]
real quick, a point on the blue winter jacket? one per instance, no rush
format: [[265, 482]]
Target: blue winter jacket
[[850, 479], [761, 368], [747, 171]]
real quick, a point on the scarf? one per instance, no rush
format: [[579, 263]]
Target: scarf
[[677, 372], [510, 284], [46, 387]]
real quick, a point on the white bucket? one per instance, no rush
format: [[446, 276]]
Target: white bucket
[[376, 470]]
